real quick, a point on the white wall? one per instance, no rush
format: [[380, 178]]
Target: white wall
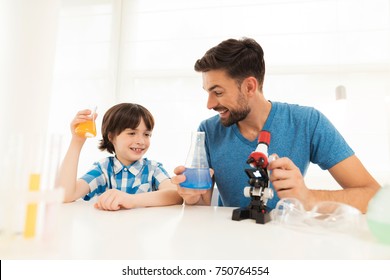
[[311, 47], [109, 51]]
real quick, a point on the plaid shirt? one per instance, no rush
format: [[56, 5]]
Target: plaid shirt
[[141, 176]]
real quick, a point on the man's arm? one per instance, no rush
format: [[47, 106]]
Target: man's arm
[[357, 183]]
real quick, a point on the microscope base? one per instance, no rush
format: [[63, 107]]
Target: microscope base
[[261, 217]]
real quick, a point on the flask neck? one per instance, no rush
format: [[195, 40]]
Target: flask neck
[[197, 154]]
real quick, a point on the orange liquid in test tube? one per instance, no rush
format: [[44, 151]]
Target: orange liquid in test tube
[[32, 208], [88, 128]]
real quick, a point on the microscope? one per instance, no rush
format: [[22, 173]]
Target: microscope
[[258, 190]]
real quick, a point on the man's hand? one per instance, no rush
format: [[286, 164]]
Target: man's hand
[[190, 196], [287, 180]]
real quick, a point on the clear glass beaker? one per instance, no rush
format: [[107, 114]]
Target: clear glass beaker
[[87, 129], [197, 168]]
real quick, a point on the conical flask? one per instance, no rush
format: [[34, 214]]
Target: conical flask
[[197, 168]]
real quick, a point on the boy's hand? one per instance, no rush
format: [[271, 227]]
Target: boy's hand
[[113, 200], [81, 116]]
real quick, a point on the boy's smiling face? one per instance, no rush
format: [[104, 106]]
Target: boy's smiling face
[[131, 144]]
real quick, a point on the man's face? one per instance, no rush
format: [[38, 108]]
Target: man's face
[[225, 97]]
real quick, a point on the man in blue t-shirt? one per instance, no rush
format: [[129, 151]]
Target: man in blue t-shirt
[[233, 76]]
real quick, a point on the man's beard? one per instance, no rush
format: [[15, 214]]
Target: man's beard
[[238, 114]]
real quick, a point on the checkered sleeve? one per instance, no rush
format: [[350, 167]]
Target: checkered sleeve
[[96, 178], [159, 174]]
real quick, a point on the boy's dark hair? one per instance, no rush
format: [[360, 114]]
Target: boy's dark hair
[[120, 117], [239, 58]]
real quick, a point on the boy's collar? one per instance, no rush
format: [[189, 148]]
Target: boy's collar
[[134, 167]]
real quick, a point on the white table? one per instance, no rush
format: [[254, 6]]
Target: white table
[[184, 232]]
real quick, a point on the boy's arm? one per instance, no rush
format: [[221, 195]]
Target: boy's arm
[[115, 199], [67, 175], [165, 195]]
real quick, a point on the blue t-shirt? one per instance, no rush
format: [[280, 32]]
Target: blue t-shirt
[[109, 173], [300, 133]]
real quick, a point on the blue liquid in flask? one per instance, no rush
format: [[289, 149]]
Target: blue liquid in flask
[[197, 178]]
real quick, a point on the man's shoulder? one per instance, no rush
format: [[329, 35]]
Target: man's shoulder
[[295, 110], [293, 106]]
